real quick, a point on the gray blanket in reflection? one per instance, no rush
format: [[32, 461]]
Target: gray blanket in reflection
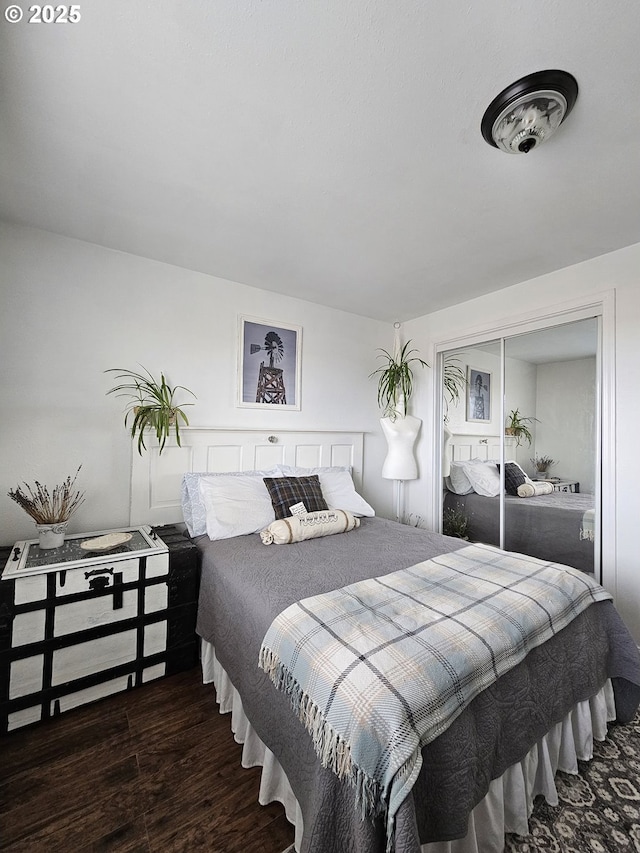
[[549, 527], [246, 584]]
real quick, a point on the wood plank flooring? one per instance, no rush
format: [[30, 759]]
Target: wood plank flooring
[[153, 770]]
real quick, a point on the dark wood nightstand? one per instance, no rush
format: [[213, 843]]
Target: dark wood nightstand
[[183, 644]]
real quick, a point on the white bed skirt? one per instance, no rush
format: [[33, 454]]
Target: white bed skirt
[[509, 800]]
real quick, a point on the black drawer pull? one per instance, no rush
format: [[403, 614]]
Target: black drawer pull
[[93, 572], [99, 578]]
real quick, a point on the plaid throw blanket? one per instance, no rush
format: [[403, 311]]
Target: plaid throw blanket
[[380, 668]]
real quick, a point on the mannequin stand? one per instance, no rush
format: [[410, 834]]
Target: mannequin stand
[[398, 494]]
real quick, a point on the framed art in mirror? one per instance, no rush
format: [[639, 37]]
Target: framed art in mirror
[[478, 396]]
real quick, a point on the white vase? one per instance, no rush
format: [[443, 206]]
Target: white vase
[[51, 535]]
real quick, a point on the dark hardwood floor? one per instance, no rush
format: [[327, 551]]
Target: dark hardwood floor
[[155, 769]]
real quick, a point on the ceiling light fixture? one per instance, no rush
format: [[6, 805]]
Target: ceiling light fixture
[[529, 111]]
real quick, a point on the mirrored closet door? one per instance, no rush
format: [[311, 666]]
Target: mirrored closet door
[[520, 443]]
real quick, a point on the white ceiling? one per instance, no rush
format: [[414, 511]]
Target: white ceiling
[[566, 342], [324, 149]]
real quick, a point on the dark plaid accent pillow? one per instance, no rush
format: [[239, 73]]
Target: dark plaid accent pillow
[[287, 491], [514, 476]]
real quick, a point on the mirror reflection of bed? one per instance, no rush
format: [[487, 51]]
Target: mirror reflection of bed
[[557, 526], [550, 377]]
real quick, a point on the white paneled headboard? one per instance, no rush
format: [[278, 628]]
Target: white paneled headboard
[[460, 448], [156, 478], [463, 447]]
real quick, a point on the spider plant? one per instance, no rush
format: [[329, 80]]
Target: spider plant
[[517, 426], [151, 405], [454, 380], [395, 380]]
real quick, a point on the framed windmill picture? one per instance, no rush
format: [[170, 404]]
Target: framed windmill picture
[[478, 395], [268, 364]]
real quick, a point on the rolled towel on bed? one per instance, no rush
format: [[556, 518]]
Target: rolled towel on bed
[[296, 528], [530, 490]]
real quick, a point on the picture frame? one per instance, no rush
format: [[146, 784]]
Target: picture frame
[[478, 396], [269, 364]]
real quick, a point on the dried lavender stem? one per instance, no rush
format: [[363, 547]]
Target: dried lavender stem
[[46, 508]]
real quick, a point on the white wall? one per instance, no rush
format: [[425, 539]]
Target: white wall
[[521, 394], [566, 407], [70, 310], [558, 396], [488, 362], [619, 271]]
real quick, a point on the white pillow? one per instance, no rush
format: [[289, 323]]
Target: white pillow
[[485, 478], [337, 487], [297, 471], [194, 502], [235, 504], [296, 528], [460, 483]]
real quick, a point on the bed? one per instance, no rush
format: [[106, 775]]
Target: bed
[[480, 775], [554, 525]]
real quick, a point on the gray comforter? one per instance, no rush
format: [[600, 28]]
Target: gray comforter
[[245, 584]]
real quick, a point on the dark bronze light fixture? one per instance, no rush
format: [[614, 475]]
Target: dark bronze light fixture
[[529, 111]]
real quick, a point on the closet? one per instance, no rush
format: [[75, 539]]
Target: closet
[[538, 491]]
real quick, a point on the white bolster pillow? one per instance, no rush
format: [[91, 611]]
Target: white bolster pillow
[[295, 528], [529, 490]]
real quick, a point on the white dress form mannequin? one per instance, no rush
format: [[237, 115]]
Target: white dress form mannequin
[[401, 434], [446, 462]]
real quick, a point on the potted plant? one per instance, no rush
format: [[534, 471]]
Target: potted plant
[[151, 405], [517, 426], [50, 510], [395, 380], [453, 380], [542, 465], [454, 523]]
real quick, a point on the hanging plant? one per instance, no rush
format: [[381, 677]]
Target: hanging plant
[[453, 380], [395, 380], [151, 405], [517, 426]]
